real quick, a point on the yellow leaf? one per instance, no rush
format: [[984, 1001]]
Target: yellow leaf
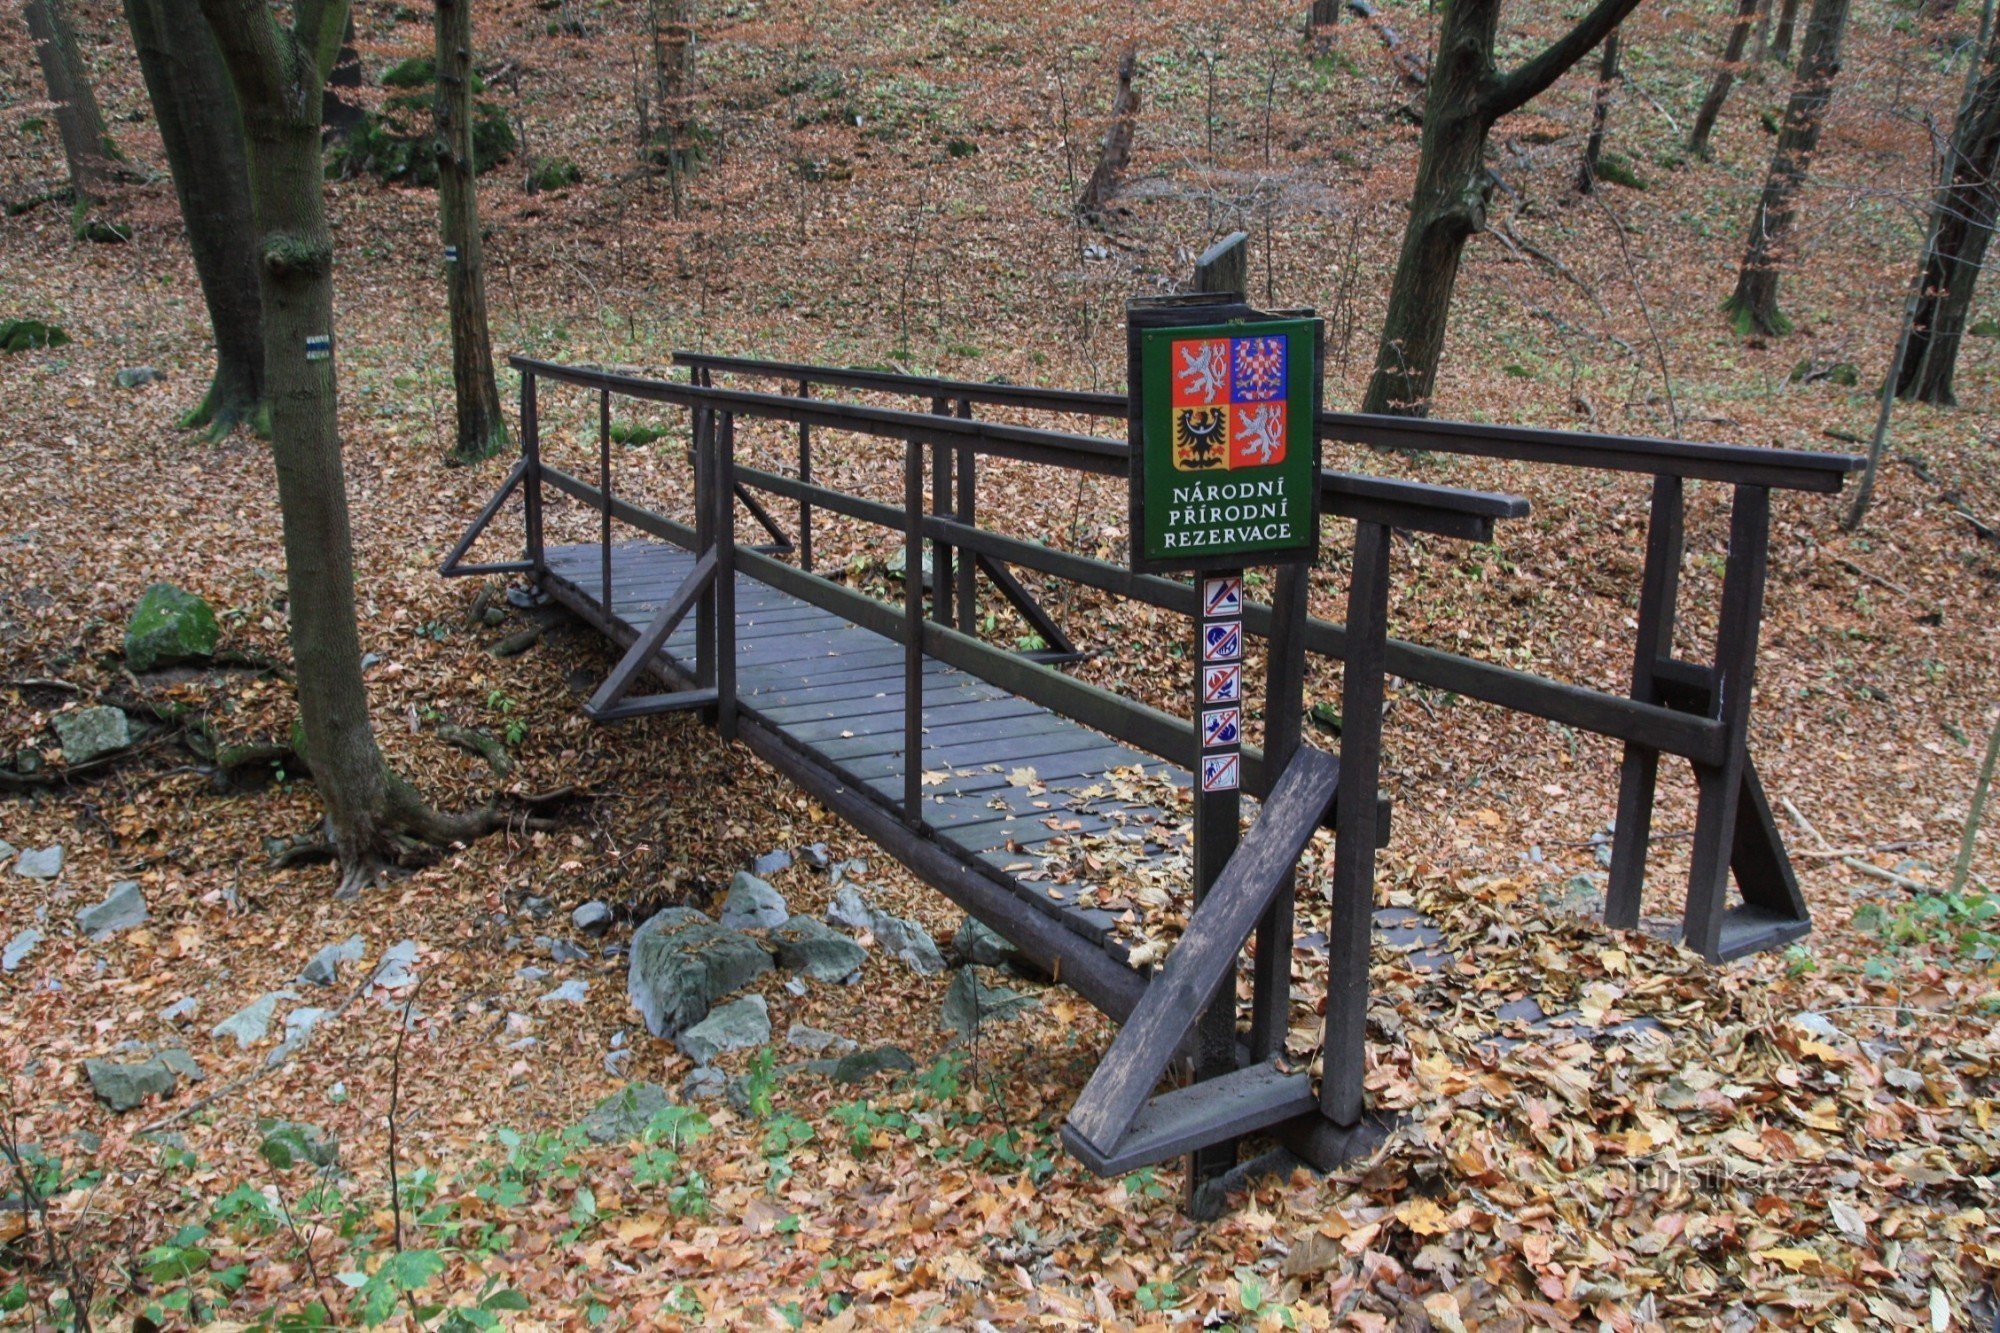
[[1791, 1257], [1423, 1217]]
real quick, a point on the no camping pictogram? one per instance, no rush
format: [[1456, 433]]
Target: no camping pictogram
[[1222, 597]]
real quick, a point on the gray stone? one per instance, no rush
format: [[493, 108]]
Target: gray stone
[[19, 948], [252, 1023], [899, 936], [736, 1026], [7, 849], [818, 1040], [125, 1086], [977, 942], [562, 951], [530, 974], [624, 1115], [183, 1064], [301, 1021], [682, 963], [817, 855], [185, 1007], [593, 918], [770, 863], [753, 905], [87, 733], [864, 1065], [704, 1084], [850, 909], [287, 1142], [324, 969], [123, 908], [137, 377], [168, 627], [1811, 1020], [570, 992], [42, 863], [969, 1003], [808, 945], [393, 972]]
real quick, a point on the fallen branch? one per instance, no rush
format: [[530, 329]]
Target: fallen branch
[[518, 642], [1890, 584], [1887, 876], [1412, 67]]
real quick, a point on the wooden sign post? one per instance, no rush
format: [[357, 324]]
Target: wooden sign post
[[1225, 473]]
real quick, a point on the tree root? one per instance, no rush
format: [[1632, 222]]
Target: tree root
[[482, 743]]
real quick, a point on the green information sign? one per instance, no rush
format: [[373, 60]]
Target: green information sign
[[1226, 455]]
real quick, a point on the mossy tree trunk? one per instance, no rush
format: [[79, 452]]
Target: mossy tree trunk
[[1467, 94], [1753, 307], [88, 151], [203, 135], [1725, 79], [1967, 205], [278, 73], [482, 429], [1780, 49]]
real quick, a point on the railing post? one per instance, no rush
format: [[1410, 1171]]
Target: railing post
[[1284, 719], [604, 488], [1351, 935], [913, 634], [701, 429], [968, 566], [531, 493], [1720, 787], [1638, 774], [943, 578], [723, 489], [805, 476]]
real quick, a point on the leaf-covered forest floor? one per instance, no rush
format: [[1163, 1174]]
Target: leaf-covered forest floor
[[1805, 1139]]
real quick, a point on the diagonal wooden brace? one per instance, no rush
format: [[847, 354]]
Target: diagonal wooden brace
[[1109, 1110], [452, 569], [604, 705]]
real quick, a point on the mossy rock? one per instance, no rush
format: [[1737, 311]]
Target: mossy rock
[[170, 626], [395, 144], [1615, 169], [19, 335], [553, 173], [415, 72]]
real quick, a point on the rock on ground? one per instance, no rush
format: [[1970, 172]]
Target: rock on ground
[[593, 918], [18, 949], [753, 904], [899, 936], [624, 1115], [168, 627], [818, 1040], [324, 969], [770, 863], [393, 972], [864, 1065], [682, 963], [969, 1003], [123, 908], [123, 1086], [736, 1026], [810, 946], [42, 863], [977, 942], [250, 1024], [87, 733]]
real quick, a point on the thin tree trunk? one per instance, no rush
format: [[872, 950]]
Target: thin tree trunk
[[1753, 308], [1600, 112], [279, 73], [1467, 94], [1967, 205], [87, 147], [1780, 49], [482, 429], [1116, 152], [203, 135], [1725, 79], [1961, 870]]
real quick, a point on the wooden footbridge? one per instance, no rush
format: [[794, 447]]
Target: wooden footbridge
[[909, 724]]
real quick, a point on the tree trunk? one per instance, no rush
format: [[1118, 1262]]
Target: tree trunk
[[1467, 94], [1780, 49], [1116, 152], [1967, 204], [482, 429], [1725, 79], [1600, 112], [278, 74], [87, 146], [203, 134], [1754, 305]]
